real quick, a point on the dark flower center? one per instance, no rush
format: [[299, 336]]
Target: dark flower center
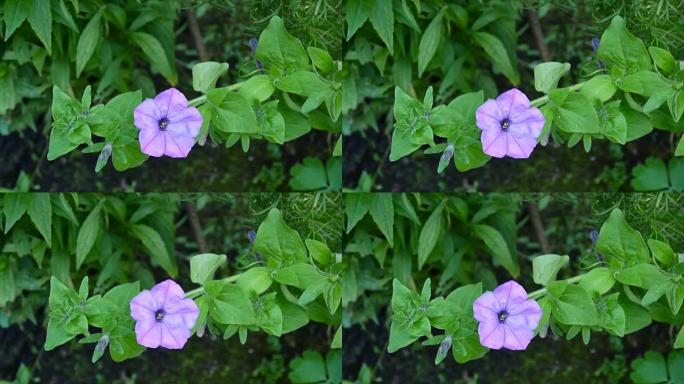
[[502, 316], [505, 123], [159, 315], [163, 123]]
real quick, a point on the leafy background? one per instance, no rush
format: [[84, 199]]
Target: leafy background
[[566, 29], [531, 224], [188, 223], [33, 57]]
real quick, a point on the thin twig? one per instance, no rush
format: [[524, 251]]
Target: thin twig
[[197, 35], [535, 216], [538, 35], [193, 218]]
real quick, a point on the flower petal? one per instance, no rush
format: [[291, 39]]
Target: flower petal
[[527, 123], [187, 121], [520, 147], [494, 142], [486, 307], [146, 115], [512, 101], [516, 339], [510, 293], [491, 334], [165, 291], [143, 306], [174, 337], [177, 146], [148, 333], [152, 142], [170, 101], [524, 315], [489, 116], [184, 311]]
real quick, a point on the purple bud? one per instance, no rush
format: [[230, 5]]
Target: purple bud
[[253, 42], [595, 43], [594, 236], [251, 235]]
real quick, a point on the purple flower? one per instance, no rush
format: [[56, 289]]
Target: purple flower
[[510, 127], [164, 317], [507, 318], [167, 125]]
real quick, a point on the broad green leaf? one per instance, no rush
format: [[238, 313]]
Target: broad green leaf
[[572, 305], [357, 12], [16, 11], [256, 280], [87, 42], [599, 88], [547, 75], [430, 41], [597, 281], [573, 112], [257, 88], [429, 234], [309, 368], [382, 19], [310, 175], [619, 48], [496, 244], [279, 51], [231, 112], [497, 53], [229, 304], [320, 252], [382, 211], [14, 207], [87, 234], [202, 267], [154, 244], [278, 243], [205, 75], [664, 60], [40, 212], [645, 83], [662, 252], [621, 244], [546, 267], [356, 206], [155, 53], [650, 369], [321, 59], [40, 19]]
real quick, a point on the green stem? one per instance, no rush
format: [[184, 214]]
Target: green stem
[[200, 100], [544, 99], [541, 292], [198, 291]]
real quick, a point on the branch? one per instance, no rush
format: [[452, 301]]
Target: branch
[[193, 218], [197, 36], [538, 35]]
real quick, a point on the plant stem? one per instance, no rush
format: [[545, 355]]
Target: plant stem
[[542, 100], [541, 292], [200, 100], [198, 291]]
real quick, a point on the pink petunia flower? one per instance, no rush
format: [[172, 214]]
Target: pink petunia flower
[[510, 127], [167, 125], [164, 317], [507, 318]]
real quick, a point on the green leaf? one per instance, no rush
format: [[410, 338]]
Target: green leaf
[[573, 112], [320, 252], [278, 243], [154, 244], [40, 212], [597, 281], [87, 234], [547, 75], [309, 368], [16, 11], [649, 369], [621, 244], [430, 41], [156, 55], [257, 89], [599, 88], [40, 19], [650, 176], [572, 304], [124, 347], [664, 60], [680, 147], [203, 266], [279, 51], [382, 19], [229, 304], [382, 211], [87, 42], [645, 83], [205, 75], [429, 234], [357, 12], [662, 252], [619, 48], [310, 175], [498, 54], [546, 267], [231, 112], [256, 280], [498, 247], [321, 59], [14, 207], [356, 206]]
